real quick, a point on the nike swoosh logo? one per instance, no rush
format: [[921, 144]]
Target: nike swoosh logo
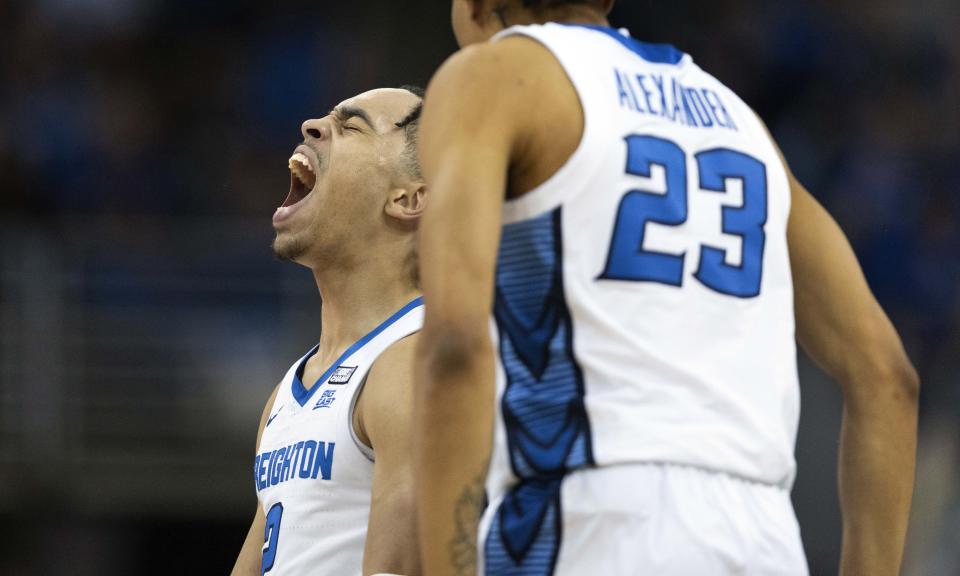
[[270, 419]]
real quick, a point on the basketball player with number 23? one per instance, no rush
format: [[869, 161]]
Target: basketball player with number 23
[[650, 263]]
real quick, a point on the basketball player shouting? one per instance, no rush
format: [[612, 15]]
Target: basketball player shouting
[[333, 471], [642, 247]]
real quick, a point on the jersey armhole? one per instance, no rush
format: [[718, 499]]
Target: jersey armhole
[[550, 194], [402, 326], [367, 451]]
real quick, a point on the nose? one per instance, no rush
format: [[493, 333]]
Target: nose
[[316, 129]]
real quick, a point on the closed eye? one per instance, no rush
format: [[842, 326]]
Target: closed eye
[[344, 114]]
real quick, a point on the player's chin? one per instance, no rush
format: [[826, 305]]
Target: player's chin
[[286, 247]]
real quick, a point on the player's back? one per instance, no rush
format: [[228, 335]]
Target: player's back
[[644, 298]]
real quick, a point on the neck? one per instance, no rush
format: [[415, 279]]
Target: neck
[[357, 300], [574, 14]]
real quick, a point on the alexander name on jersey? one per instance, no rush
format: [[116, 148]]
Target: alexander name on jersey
[[306, 460], [666, 97]]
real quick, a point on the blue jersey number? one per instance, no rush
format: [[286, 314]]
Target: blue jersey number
[[628, 260], [625, 261], [271, 533], [746, 221]]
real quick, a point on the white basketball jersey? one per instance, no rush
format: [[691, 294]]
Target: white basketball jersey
[[312, 474], [644, 302]]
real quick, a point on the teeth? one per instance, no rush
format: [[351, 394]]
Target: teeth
[[300, 159]]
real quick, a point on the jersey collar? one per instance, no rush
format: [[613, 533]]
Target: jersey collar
[[300, 392]]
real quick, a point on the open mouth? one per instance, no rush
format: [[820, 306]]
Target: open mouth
[[302, 179]]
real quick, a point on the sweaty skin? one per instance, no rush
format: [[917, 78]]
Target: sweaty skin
[[500, 119]]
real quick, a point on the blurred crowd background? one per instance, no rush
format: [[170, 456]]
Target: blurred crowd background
[[144, 321]]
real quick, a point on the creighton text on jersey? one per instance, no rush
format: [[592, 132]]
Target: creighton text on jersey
[[305, 459]]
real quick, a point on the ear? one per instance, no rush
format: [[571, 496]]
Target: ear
[[608, 6], [406, 204]]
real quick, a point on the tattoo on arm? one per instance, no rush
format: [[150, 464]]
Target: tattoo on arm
[[466, 517]]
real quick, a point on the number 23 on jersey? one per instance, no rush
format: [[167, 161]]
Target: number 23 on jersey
[[627, 258]]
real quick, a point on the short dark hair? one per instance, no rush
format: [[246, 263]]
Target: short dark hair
[[410, 125]]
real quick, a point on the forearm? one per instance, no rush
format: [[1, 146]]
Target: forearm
[[876, 475], [391, 545], [455, 427], [248, 561]]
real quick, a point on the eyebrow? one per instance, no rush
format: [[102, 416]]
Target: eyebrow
[[344, 113], [412, 117]]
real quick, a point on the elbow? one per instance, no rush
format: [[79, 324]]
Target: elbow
[[902, 383], [447, 351], [908, 380], [890, 377], [873, 366]]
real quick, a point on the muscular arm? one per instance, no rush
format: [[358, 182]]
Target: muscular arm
[[385, 410], [248, 561], [843, 329], [465, 154], [494, 113], [465, 144]]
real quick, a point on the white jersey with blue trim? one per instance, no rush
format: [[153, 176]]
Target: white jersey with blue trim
[[644, 301], [312, 474]]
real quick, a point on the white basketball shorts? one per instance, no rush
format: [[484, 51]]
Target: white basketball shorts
[[643, 520]]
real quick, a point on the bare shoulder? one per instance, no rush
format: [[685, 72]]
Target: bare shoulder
[[395, 363], [514, 63], [505, 55], [512, 95], [385, 405]]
